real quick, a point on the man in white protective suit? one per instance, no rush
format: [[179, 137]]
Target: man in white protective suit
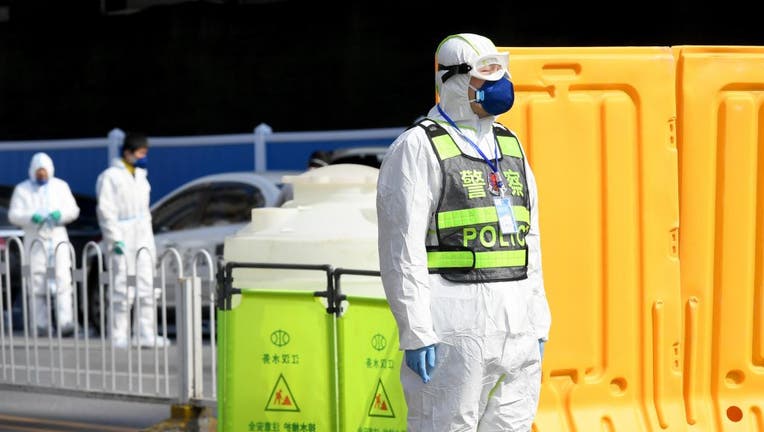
[[123, 192], [42, 205], [459, 252]]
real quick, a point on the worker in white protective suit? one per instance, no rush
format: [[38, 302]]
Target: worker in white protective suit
[[42, 205], [123, 192], [459, 252]]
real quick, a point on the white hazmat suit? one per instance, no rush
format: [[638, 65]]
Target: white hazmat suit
[[124, 216], [488, 369], [55, 206]]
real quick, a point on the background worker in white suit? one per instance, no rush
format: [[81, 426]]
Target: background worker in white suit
[[42, 205], [123, 192], [460, 252]]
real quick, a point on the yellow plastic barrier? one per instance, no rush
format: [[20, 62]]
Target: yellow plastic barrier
[[623, 140], [598, 127], [721, 130]]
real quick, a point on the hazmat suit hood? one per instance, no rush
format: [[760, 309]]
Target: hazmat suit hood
[[469, 49], [40, 160]]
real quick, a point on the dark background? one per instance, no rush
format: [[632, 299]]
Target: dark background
[[78, 68]]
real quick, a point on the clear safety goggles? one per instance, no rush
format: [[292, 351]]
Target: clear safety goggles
[[490, 67]]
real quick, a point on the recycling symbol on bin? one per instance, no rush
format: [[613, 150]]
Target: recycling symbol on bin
[[280, 338]]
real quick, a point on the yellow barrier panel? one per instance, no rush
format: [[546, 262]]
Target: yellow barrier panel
[[598, 126], [721, 119], [371, 395], [276, 364]]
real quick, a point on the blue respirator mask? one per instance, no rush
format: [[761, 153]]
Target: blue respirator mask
[[496, 97], [41, 182], [141, 162]]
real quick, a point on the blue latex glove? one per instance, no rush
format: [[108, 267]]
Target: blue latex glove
[[37, 218], [541, 348], [55, 216], [119, 247], [421, 361]]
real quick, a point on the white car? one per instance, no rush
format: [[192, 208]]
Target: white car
[[201, 213]]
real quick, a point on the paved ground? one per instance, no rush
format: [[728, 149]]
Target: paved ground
[[37, 412]]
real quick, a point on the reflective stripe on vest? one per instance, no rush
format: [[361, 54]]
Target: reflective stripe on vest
[[480, 215], [478, 260], [447, 148], [510, 146]]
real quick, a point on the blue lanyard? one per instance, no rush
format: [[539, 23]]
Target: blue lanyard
[[494, 166]]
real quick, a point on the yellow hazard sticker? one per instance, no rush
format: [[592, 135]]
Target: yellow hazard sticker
[[281, 398], [380, 403]]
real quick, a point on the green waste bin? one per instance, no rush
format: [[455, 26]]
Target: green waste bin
[[276, 367], [371, 396]]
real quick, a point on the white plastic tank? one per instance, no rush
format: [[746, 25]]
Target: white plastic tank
[[332, 220]]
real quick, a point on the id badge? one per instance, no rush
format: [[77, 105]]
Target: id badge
[[507, 222]]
